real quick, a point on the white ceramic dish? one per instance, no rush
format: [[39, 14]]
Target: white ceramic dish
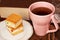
[[5, 34]]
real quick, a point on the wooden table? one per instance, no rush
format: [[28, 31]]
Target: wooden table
[[50, 36]]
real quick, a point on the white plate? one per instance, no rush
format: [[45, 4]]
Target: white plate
[[6, 35]]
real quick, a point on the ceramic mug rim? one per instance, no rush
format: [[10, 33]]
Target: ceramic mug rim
[[42, 2]]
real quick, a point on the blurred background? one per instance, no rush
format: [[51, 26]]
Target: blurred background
[[24, 3]]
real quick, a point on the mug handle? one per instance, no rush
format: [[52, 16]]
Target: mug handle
[[55, 23]]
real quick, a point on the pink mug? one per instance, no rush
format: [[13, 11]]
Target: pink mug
[[41, 23]]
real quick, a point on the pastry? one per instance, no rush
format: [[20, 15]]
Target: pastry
[[14, 20], [17, 30], [14, 24]]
